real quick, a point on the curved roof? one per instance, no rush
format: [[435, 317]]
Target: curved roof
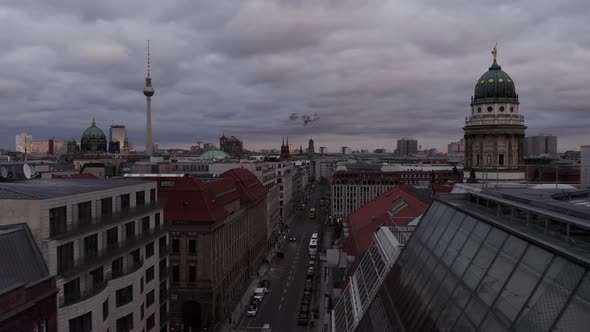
[[214, 154], [495, 85], [93, 132]]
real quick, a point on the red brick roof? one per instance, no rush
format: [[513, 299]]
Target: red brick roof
[[189, 199], [363, 222]]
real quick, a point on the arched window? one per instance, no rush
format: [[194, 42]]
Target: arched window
[[489, 159]]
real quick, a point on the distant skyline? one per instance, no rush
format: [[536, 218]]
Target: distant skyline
[[345, 73]]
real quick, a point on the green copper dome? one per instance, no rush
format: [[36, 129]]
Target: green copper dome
[[495, 86], [93, 139], [93, 132], [215, 154]]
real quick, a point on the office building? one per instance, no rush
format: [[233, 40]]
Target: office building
[[497, 260], [323, 150], [406, 147], [231, 145], [105, 242], [21, 141], [218, 239], [585, 166], [118, 139], [345, 150], [310, 149], [456, 147], [540, 145]]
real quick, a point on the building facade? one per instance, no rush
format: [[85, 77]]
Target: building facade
[[494, 131], [218, 232], [406, 147], [118, 138], [350, 190], [540, 145], [232, 146], [27, 290], [310, 149], [105, 242], [21, 141]]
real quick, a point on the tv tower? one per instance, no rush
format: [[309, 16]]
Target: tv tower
[[148, 91]]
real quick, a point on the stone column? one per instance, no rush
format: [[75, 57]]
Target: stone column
[[467, 153]]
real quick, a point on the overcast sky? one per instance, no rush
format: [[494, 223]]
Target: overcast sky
[[365, 72]]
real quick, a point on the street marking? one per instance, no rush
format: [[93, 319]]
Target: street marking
[[280, 305]]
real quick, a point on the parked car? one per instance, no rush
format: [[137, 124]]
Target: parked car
[[308, 284], [303, 319], [310, 270], [252, 310], [259, 294], [265, 284], [312, 263]]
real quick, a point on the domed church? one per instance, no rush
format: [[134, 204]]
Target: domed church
[[494, 131], [93, 139]]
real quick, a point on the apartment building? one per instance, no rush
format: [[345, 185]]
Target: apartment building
[[105, 242]]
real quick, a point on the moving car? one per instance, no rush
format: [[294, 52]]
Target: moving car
[[259, 294], [252, 310], [292, 238], [265, 284], [303, 318], [311, 263], [314, 236]]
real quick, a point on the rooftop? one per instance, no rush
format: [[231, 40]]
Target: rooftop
[[19, 251], [52, 188]]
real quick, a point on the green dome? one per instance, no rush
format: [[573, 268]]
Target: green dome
[[214, 154], [93, 132], [495, 86]]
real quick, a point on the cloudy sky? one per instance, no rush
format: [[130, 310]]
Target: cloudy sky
[[365, 72]]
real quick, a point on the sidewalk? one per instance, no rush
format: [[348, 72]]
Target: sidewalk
[[240, 310]]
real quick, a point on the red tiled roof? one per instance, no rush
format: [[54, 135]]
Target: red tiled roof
[[364, 222], [441, 188], [189, 199], [250, 188]]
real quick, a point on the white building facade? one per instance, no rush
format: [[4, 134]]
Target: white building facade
[[106, 243]]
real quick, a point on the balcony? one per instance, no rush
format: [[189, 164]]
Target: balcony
[[99, 287], [106, 254], [75, 228]]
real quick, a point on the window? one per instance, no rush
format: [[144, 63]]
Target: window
[[106, 206], [501, 108], [477, 159], [157, 221], [141, 285], [152, 195], [72, 291], [124, 324], [511, 109], [501, 159], [81, 323], [192, 273], [117, 267], [192, 246], [112, 238], [65, 257], [130, 230], [150, 298], [151, 321], [58, 221], [149, 274], [479, 110], [145, 224], [124, 295], [97, 276], [489, 159], [162, 244], [175, 273], [490, 109], [91, 246], [149, 250], [84, 212], [125, 201], [175, 246], [140, 198], [163, 293], [141, 312], [105, 309], [163, 269]]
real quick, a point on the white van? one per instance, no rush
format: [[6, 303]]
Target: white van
[[314, 236]]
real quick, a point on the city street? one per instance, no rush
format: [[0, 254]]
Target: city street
[[280, 307]]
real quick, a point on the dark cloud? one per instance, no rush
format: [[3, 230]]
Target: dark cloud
[[373, 70]]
